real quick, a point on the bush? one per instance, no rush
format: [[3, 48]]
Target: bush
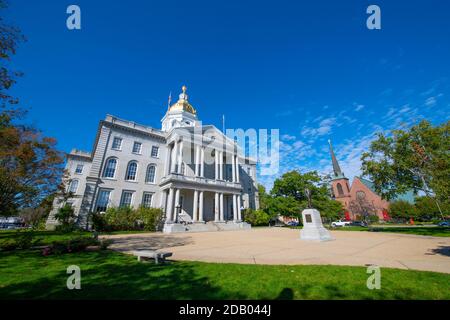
[[373, 218], [22, 240], [256, 217], [72, 245], [127, 219], [66, 218]]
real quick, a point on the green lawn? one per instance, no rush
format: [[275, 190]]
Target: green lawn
[[422, 231], [43, 237], [112, 275]]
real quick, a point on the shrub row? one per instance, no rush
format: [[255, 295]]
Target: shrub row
[[256, 217], [126, 218]]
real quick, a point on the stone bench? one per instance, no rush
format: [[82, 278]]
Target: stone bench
[[157, 256]]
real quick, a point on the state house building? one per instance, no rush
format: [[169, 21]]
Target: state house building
[[198, 176]]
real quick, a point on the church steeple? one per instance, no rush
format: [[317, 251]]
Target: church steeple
[[336, 168]]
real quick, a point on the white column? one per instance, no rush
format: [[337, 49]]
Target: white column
[[221, 207], [174, 157], [202, 162], [216, 164], [195, 206], [180, 157], [177, 203], [197, 161], [200, 218], [169, 207], [233, 168], [216, 207], [221, 165], [239, 208], [167, 164], [237, 169], [234, 208]]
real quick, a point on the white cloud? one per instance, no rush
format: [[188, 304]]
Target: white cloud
[[430, 102], [359, 107]]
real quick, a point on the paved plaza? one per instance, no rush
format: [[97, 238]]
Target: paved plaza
[[283, 246]]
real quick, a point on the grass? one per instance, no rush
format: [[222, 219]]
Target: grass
[[422, 231], [43, 237], [112, 275]]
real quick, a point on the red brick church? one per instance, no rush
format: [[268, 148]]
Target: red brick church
[[360, 199]]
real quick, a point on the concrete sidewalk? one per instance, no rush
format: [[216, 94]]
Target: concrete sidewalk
[[283, 246]]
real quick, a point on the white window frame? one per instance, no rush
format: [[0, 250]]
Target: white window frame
[[128, 168], [151, 194], [106, 167], [140, 147], [154, 174], [120, 145], [72, 182], [122, 198], [98, 198], [157, 153], [77, 166]]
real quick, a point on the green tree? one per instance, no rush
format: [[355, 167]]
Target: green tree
[[30, 165], [263, 197], [411, 159], [402, 210], [427, 209]]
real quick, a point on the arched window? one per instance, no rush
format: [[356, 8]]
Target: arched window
[[131, 171], [73, 186], [110, 168], [360, 195], [150, 175], [340, 190]]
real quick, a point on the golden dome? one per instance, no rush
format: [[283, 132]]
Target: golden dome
[[182, 104]]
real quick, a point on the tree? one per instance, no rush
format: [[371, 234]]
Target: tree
[[402, 210], [263, 197], [427, 209], [30, 165], [288, 195], [411, 159]]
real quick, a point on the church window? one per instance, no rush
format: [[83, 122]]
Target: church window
[[117, 143], [150, 175], [110, 168], [360, 195], [340, 190], [131, 171]]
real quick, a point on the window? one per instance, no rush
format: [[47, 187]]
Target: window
[[150, 175], [102, 200], [79, 169], [137, 146], [360, 195], [147, 199], [340, 190], [110, 168], [117, 143], [131, 171], [125, 200], [73, 186], [183, 168], [155, 151]]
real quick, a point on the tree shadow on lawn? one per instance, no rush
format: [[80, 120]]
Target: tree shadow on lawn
[[102, 278], [153, 242]]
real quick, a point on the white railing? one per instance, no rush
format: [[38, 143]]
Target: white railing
[[201, 180]]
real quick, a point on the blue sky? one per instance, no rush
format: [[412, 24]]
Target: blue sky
[[312, 70]]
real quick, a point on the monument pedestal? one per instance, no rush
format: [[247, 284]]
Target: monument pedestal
[[313, 228]]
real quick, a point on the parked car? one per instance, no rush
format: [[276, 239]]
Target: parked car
[[293, 223], [444, 224], [358, 224], [340, 223]]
